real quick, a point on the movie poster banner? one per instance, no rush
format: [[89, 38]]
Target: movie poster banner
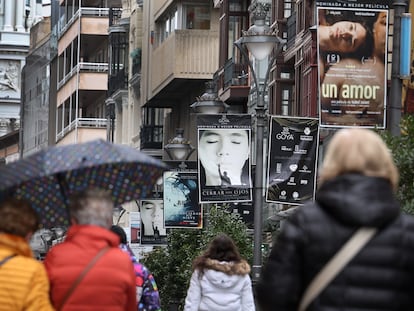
[[224, 163], [292, 158], [181, 207], [152, 222], [352, 55]]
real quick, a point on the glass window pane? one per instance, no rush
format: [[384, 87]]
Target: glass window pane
[[197, 16]]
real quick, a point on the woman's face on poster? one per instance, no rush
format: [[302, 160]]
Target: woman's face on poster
[[224, 149], [342, 37]]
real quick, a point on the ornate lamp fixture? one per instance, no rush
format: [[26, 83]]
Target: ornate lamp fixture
[[178, 148], [209, 103]]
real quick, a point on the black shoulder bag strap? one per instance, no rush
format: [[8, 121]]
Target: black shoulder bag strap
[[6, 259], [82, 275]]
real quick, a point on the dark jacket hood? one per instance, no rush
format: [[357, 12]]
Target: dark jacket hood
[[359, 200]]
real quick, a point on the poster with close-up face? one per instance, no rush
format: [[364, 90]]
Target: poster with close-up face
[[352, 62], [224, 163], [152, 222]]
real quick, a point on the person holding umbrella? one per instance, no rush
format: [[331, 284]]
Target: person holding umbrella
[[88, 271], [23, 280]]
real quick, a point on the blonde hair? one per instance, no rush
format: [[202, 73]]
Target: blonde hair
[[361, 151]]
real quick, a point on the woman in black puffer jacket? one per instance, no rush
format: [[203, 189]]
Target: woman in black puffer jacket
[[356, 189]]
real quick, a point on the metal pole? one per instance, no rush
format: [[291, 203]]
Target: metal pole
[[258, 186], [395, 98], [258, 181], [258, 177]]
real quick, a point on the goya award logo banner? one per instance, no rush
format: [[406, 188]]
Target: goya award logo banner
[[352, 55], [224, 166], [292, 160], [181, 207]]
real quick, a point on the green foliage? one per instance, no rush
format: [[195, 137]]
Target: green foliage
[[402, 148], [171, 265]]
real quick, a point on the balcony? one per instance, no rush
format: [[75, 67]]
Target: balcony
[[82, 130], [118, 82], [185, 54], [64, 25], [92, 76], [151, 136], [93, 21], [85, 68], [233, 81]]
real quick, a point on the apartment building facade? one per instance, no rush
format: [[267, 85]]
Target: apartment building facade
[[16, 18], [179, 54], [81, 70]]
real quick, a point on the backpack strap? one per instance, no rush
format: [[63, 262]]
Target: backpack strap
[[6, 259]]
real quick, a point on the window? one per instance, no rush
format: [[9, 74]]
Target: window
[[166, 25], [236, 24], [286, 98], [197, 16], [151, 133], [186, 16], [288, 8]]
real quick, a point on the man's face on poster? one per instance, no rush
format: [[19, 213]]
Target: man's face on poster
[[224, 151]]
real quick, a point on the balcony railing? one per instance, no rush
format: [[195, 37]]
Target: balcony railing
[[151, 136], [232, 74], [63, 26], [185, 54], [83, 67], [83, 123], [118, 82]]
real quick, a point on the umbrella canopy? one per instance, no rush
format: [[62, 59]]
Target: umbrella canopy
[[49, 177]]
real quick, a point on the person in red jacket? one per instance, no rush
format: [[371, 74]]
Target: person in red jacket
[[109, 285]]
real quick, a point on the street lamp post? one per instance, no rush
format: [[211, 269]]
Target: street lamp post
[[260, 41], [110, 112]]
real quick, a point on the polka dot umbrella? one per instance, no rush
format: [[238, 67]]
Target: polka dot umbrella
[[49, 177]]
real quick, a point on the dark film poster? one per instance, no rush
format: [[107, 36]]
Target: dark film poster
[[224, 164], [152, 222], [292, 160], [181, 207], [352, 55]]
